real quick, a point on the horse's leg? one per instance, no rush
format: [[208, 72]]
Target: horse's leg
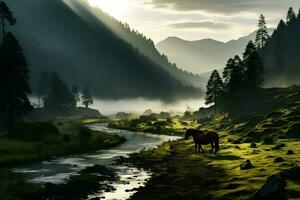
[[202, 149], [199, 145], [212, 147], [196, 148]]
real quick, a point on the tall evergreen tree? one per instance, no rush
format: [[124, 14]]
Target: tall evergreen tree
[[14, 86], [253, 67], [262, 35], [75, 93], [233, 78], [87, 98], [214, 89], [59, 95], [43, 85], [6, 18], [291, 16]]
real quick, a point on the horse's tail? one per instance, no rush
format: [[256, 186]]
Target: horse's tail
[[217, 144]]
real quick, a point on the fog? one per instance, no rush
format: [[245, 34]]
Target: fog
[[139, 105]]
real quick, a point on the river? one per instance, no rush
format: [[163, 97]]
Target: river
[[60, 169]]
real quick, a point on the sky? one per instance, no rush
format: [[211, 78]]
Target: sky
[[196, 19]]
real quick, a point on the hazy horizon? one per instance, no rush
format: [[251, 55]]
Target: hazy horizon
[[195, 19], [139, 105]]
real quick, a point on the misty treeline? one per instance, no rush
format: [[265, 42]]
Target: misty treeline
[[14, 86], [281, 54], [14, 79], [240, 87], [56, 95]]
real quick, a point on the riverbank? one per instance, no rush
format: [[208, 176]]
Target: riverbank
[[161, 126], [37, 141], [65, 137]]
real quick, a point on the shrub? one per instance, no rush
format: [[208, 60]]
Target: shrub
[[34, 131], [85, 134], [66, 138], [294, 130], [268, 140]]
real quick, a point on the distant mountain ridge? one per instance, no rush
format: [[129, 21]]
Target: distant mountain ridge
[[202, 56], [70, 39]]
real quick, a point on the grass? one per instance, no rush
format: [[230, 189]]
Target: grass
[[180, 173]]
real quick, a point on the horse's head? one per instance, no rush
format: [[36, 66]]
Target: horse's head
[[188, 133]]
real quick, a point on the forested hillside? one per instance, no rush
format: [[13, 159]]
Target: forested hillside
[[145, 45], [282, 52], [85, 51]]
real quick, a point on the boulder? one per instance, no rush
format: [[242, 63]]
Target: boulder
[[273, 188], [291, 174], [278, 160], [278, 146], [246, 165], [253, 145], [290, 152]]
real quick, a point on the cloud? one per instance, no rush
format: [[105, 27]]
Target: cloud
[[200, 25], [225, 7]]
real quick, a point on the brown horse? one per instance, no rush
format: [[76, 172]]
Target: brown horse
[[203, 138]]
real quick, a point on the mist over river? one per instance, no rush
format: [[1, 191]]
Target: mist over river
[[139, 105]]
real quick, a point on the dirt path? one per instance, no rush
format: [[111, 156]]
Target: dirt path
[[186, 177]]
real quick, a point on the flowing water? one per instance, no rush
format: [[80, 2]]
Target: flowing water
[[60, 169]]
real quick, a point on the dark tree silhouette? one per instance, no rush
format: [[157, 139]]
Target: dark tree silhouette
[[43, 86], [214, 89], [6, 18], [281, 54], [59, 96], [291, 16], [14, 86], [262, 35], [253, 68], [233, 78], [75, 93], [87, 98]]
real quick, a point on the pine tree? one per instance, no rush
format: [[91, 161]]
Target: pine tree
[[6, 18], [75, 93], [253, 67], [14, 86], [262, 35], [291, 16], [43, 86], [87, 98], [233, 78], [214, 89], [298, 17], [59, 96]]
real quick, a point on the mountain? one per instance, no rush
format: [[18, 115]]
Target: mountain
[[282, 54], [68, 37], [147, 47], [203, 55]]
